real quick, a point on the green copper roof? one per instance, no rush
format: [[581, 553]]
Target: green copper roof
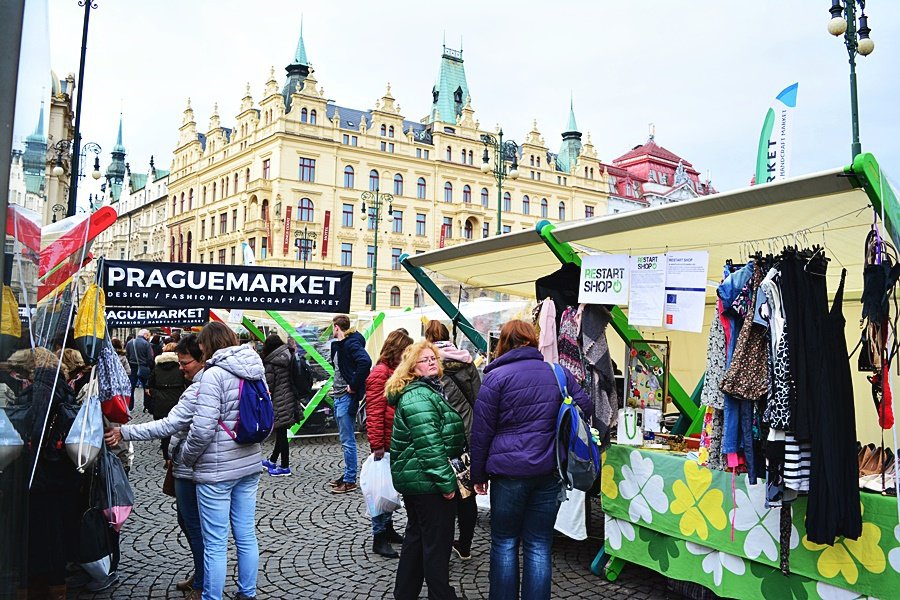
[[119, 147], [571, 125], [35, 155], [116, 169], [300, 54], [451, 90], [571, 145], [138, 181], [34, 184]]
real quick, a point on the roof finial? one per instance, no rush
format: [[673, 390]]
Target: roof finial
[[571, 125], [300, 53], [652, 128], [119, 139]]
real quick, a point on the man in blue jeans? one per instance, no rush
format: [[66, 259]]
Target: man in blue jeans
[[351, 367]]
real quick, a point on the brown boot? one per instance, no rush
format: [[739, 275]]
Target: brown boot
[[56, 592], [185, 586]]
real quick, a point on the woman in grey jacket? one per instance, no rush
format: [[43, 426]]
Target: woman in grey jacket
[[226, 473], [176, 424]]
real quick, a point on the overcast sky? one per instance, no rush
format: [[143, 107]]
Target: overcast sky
[[703, 72]]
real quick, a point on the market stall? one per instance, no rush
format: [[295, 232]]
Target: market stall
[[831, 212]]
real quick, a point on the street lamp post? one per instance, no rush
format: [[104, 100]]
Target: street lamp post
[[305, 241], [843, 21], [376, 200], [76, 151], [79, 157], [503, 151]]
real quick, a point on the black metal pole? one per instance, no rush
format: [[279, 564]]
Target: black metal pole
[[76, 147]]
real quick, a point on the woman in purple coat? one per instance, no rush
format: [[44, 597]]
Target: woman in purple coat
[[513, 446]]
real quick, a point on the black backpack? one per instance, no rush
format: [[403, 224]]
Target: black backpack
[[301, 377]]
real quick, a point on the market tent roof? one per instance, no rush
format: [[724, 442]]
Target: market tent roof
[[827, 208]]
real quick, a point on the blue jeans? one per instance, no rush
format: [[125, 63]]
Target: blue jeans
[[219, 503], [186, 501], [347, 433], [522, 509], [382, 522]]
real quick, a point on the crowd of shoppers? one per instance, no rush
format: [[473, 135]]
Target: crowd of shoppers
[[426, 406]]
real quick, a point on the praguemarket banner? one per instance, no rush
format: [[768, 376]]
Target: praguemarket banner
[[773, 157], [156, 317], [191, 285]]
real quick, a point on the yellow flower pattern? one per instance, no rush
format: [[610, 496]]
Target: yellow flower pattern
[[840, 557], [696, 503], [608, 486]]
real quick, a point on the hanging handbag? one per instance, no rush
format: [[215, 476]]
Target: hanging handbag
[[114, 387], [168, 486], [460, 468]]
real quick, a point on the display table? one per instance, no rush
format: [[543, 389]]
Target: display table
[[669, 514]]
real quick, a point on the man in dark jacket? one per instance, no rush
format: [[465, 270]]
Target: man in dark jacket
[[351, 367], [140, 358]]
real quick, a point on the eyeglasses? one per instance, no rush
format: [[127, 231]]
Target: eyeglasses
[[430, 360], [184, 364]]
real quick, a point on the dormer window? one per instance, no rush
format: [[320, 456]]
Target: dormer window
[[435, 95], [457, 95]]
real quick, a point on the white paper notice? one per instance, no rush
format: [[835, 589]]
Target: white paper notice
[[236, 315], [604, 279], [685, 290], [647, 290]]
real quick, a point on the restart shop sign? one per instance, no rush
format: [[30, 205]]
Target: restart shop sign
[[188, 285], [604, 279]]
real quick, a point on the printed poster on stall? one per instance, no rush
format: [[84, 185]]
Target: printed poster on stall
[[647, 290], [685, 290], [604, 279]]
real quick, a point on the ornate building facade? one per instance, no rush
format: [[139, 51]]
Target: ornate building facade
[[294, 164]]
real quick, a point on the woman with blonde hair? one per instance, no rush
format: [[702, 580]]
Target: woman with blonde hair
[[379, 424], [427, 433]]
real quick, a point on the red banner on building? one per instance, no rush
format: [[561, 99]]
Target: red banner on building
[[443, 230], [180, 245], [270, 241], [287, 230], [326, 233]]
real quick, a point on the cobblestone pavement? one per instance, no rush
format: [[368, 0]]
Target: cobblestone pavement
[[315, 545]]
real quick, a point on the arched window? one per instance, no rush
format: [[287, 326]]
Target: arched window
[[448, 192], [469, 230], [203, 196], [246, 178], [507, 202], [471, 157], [417, 298], [391, 131], [532, 160], [544, 208], [373, 180], [190, 243], [395, 296], [421, 188], [462, 159], [467, 195], [369, 294], [449, 154], [312, 117], [190, 198], [348, 177], [562, 211], [174, 203], [303, 115], [306, 210], [585, 172], [182, 202], [235, 183], [384, 130], [180, 247], [484, 197], [264, 214], [398, 184], [214, 192], [592, 172], [526, 205]]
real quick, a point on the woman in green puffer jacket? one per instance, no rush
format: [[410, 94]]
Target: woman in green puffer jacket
[[427, 434]]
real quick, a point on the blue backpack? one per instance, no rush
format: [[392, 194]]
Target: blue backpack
[[256, 416], [577, 455]]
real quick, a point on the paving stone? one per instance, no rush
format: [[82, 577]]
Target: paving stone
[[317, 545]]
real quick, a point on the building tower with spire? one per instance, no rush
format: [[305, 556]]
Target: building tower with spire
[[34, 160], [296, 71], [115, 173], [450, 92], [571, 144]]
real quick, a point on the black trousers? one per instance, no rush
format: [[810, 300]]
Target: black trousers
[[466, 515], [425, 556], [281, 447]]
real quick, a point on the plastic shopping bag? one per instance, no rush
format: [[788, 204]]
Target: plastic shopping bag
[[117, 497], [378, 487], [85, 438], [95, 547], [11, 443]]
